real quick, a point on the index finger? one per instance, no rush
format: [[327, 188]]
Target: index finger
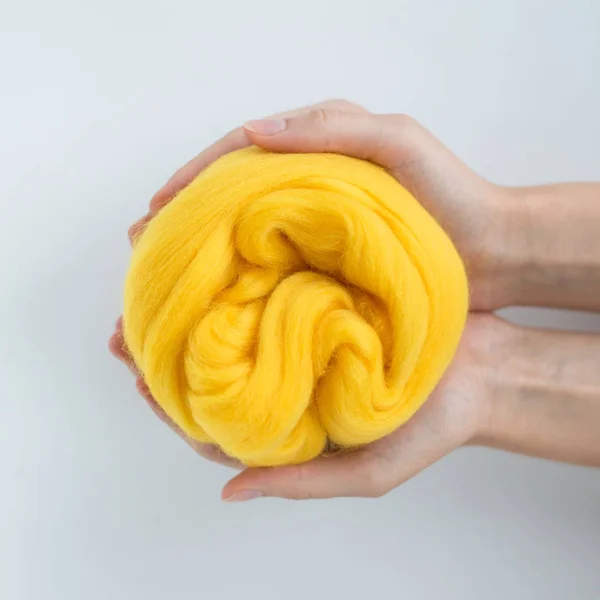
[[234, 140]]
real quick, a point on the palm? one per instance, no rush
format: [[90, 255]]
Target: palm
[[453, 414]]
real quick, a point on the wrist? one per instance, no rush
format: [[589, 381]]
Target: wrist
[[504, 253], [505, 378], [546, 252], [528, 246], [501, 380], [543, 390]]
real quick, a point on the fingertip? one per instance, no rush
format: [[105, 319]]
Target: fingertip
[[250, 478], [138, 228], [118, 348], [243, 496], [115, 345]]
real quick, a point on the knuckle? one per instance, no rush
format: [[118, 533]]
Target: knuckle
[[299, 482], [343, 105], [406, 141], [376, 474], [325, 116], [377, 490], [328, 120], [404, 123]]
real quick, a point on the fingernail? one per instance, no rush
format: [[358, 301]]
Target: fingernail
[[266, 126], [243, 496]]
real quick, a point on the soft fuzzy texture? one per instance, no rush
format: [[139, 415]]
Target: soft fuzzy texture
[[282, 302]]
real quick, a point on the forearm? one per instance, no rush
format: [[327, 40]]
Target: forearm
[[545, 398], [553, 247]]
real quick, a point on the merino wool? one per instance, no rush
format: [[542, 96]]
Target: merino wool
[[281, 303]]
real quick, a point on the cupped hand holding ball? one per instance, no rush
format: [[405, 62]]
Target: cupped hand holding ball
[[472, 211]]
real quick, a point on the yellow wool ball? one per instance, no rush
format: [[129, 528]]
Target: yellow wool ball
[[281, 302]]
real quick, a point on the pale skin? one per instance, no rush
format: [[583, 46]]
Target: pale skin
[[528, 391]]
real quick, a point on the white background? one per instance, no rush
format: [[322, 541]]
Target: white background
[[100, 103]]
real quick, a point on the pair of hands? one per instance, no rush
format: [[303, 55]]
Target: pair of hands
[[471, 211]]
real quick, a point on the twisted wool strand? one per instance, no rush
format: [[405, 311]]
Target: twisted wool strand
[[281, 302]]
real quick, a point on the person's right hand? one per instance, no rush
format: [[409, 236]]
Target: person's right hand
[[456, 414]]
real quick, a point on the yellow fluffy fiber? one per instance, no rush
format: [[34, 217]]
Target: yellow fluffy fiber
[[283, 302]]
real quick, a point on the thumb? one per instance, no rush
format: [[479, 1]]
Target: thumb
[[390, 141], [355, 473]]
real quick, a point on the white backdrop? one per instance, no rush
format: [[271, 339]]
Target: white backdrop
[[100, 103]]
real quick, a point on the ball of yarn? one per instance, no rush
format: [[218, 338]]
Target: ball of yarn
[[284, 302]]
